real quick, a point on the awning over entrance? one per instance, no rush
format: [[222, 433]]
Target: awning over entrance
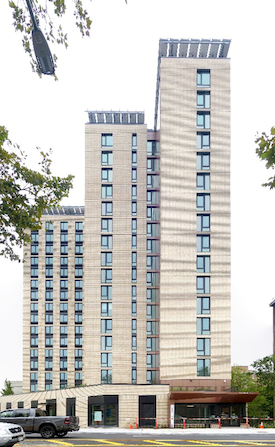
[[211, 397]]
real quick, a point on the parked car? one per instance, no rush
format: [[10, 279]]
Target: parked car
[[35, 420], [10, 434]]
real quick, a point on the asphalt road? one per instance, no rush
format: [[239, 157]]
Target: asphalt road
[[138, 440]]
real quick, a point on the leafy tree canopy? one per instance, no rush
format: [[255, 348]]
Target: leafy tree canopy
[[266, 151], [24, 195], [260, 380], [8, 388]]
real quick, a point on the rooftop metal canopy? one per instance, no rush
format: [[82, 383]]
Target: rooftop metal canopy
[[68, 210], [100, 117], [189, 48], [204, 48]]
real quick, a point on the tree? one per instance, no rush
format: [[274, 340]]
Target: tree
[[266, 151], [8, 388], [24, 195], [260, 380], [265, 375]]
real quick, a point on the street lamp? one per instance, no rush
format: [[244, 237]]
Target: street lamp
[[41, 47]]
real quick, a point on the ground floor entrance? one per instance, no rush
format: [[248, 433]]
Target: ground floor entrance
[[103, 411], [230, 414]]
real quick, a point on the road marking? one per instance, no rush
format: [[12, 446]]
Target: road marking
[[205, 442], [159, 442], [106, 441], [253, 442], [60, 442]]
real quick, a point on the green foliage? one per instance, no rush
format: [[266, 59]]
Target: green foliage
[[262, 381], [266, 151], [48, 14], [8, 388], [24, 195]]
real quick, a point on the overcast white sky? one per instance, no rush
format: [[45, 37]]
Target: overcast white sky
[[116, 69]]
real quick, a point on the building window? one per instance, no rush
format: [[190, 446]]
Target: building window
[[203, 120], [78, 378], [106, 342], [106, 292], [203, 100], [107, 242], [107, 140], [134, 175], [134, 241], [203, 284], [134, 158], [106, 275], [134, 140], [134, 208], [203, 202], [203, 182], [203, 264], [134, 326], [106, 359], [106, 376], [203, 222], [134, 191], [203, 243], [203, 78], [203, 140], [107, 225], [107, 208], [107, 158], [134, 258], [107, 175], [134, 375], [203, 346], [203, 326], [106, 258], [63, 226], [152, 147], [106, 326], [79, 226], [203, 305], [134, 342], [106, 309], [134, 309], [203, 367], [134, 225], [106, 191]]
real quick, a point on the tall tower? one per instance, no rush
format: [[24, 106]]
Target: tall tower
[[194, 91]]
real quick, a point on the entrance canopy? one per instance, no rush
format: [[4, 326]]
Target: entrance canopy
[[210, 397]]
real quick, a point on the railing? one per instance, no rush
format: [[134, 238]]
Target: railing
[[216, 422]]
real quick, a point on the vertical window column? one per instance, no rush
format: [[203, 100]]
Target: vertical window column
[[203, 266], [153, 261], [106, 256]]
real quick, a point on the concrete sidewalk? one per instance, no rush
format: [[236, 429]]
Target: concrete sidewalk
[[179, 432]]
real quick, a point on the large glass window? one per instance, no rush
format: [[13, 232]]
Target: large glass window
[[203, 120], [106, 258], [106, 309], [203, 346], [203, 367], [203, 222], [203, 182], [203, 284], [106, 275], [107, 208], [203, 243], [203, 326], [106, 292], [203, 202], [107, 175], [106, 326], [106, 225], [203, 100], [106, 191], [203, 161], [107, 242], [203, 264], [106, 342], [106, 158], [203, 305], [203, 78], [107, 140]]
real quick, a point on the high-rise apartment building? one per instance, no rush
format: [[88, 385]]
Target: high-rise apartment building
[[136, 291]]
